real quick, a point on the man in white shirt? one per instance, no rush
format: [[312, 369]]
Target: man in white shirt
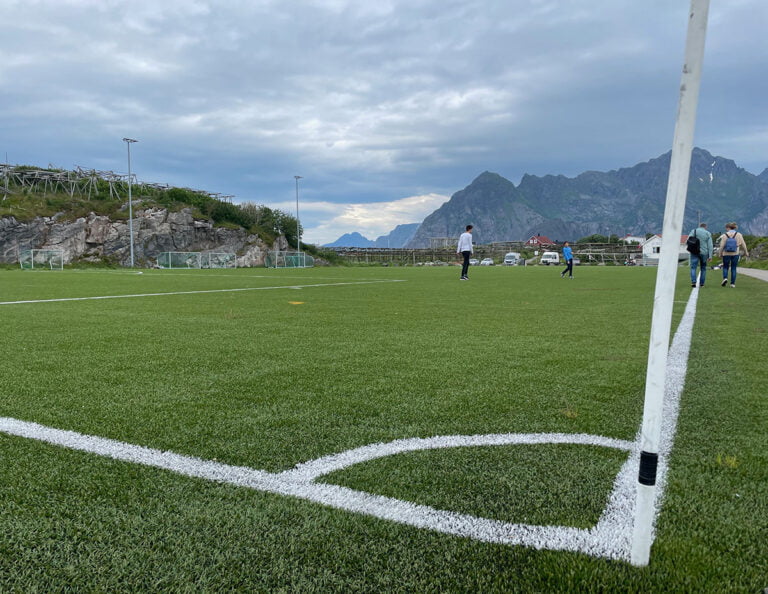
[[465, 249]]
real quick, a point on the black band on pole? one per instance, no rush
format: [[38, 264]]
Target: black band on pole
[[648, 464]]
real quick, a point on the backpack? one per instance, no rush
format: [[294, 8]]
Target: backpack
[[693, 245], [731, 245]]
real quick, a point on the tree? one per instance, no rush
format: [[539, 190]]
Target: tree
[[594, 238]]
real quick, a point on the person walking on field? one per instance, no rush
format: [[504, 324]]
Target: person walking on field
[[705, 254], [568, 257], [465, 249], [731, 244]]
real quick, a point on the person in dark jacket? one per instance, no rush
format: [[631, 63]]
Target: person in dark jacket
[[699, 261]]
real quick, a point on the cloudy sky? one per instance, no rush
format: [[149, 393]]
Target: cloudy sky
[[384, 107]]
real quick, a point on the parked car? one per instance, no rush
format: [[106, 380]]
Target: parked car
[[511, 259], [486, 262], [548, 258], [474, 261]]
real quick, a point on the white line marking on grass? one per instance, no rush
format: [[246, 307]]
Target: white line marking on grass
[[610, 537], [62, 299], [677, 366], [299, 483], [170, 273], [309, 471]]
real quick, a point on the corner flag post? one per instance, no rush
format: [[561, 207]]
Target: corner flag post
[[677, 187]]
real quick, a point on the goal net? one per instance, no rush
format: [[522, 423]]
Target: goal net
[[179, 260], [280, 259], [219, 260], [41, 259]]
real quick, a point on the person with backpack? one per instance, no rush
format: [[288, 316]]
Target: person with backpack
[[699, 245], [731, 244]]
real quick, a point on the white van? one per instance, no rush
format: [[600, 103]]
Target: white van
[[511, 259], [548, 258]]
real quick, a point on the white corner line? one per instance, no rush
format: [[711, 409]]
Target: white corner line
[[609, 538], [301, 484]]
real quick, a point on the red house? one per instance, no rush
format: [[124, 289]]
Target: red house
[[539, 240]]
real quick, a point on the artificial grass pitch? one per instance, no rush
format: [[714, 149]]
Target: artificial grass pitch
[[249, 378]]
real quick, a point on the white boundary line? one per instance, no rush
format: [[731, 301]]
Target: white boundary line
[[610, 537], [244, 273], [62, 299]]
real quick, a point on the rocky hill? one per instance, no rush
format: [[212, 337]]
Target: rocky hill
[[100, 238], [628, 200], [84, 212]]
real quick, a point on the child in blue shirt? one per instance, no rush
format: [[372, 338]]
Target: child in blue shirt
[[568, 257]]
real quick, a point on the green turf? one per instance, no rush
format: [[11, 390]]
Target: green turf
[[250, 378]]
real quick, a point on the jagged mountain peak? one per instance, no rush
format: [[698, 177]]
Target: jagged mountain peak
[[489, 177]]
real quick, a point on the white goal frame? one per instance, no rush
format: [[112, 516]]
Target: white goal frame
[[179, 260], [285, 259], [219, 260], [41, 259]]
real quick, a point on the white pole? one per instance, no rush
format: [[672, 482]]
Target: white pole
[[128, 142], [298, 225], [677, 187]]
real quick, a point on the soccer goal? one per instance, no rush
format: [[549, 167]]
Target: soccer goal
[[179, 260], [279, 259], [219, 260], [41, 259]]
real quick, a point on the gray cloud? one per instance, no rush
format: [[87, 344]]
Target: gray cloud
[[370, 102]]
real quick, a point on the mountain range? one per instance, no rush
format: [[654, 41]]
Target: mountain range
[[396, 238], [630, 200]]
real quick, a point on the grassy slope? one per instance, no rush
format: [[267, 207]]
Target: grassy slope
[[249, 378]]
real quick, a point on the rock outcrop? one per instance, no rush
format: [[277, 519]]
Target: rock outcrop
[[155, 230]]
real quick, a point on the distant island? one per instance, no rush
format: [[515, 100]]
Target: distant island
[[396, 238]]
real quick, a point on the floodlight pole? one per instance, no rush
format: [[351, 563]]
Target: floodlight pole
[[128, 142], [6, 169], [677, 187], [298, 225]]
